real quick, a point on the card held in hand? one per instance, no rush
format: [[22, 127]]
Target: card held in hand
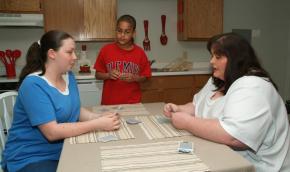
[[163, 120]]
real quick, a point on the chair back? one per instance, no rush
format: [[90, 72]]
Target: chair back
[[7, 101]]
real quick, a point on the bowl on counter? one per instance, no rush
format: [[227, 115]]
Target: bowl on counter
[[85, 69]]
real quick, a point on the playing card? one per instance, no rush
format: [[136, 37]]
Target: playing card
[[107, 138], [132, 121], [163, 120], [185, 147]]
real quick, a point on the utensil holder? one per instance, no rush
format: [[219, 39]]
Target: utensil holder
[[10, 70]]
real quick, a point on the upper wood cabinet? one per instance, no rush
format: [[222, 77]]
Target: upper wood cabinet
[[20, 6], [199, 19], [85, 20]]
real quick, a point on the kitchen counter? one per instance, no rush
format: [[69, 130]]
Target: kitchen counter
[[5, 79], [92, 74], [85, 75], [191, 72], [78, 76]]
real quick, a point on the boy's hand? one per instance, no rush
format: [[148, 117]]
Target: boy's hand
[[114, 74], [129, 77]]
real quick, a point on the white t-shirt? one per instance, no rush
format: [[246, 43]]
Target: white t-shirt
[[205, 107], [253, 112]]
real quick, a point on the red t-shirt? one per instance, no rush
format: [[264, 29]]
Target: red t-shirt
[[132, 61]]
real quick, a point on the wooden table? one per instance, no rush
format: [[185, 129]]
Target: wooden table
[[86, 157]]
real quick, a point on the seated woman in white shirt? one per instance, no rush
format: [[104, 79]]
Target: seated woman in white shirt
[[239, 107]]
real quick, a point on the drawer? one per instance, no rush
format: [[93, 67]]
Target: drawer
[[201, 80], [149, 96], [168, 82]]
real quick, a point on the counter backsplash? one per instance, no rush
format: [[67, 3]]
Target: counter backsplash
[[197, 68]]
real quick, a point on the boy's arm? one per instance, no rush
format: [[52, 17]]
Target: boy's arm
[[101, 76]]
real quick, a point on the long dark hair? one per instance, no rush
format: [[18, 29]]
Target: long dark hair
[[36, 56], [241, 59]]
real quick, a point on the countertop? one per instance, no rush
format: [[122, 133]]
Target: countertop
[[91, 75]]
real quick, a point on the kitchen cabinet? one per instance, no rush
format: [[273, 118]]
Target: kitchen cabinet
[[199, 19], [174, 89], [85, 20], [20, 6], [90, 91]]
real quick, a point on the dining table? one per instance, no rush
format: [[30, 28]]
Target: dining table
[[92, 155]]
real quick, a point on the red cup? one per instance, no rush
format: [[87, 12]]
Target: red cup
[[10, 70]]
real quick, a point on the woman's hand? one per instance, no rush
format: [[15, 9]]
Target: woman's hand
[[109, 121], [170, 108], [181, 120]]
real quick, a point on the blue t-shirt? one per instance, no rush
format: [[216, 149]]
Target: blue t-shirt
[[38, 102]]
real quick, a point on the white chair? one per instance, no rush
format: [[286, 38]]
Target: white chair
[[7, 101]]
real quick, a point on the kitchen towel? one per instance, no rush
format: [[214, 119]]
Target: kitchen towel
[[149, 157]]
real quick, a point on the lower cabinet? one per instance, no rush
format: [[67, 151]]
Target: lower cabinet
[[90, 91], [174, 89]]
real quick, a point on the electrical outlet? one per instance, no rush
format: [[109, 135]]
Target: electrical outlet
[[256, 33]]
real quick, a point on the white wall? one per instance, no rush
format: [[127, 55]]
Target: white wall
[[270, 18], [15, 38], [287, 78]]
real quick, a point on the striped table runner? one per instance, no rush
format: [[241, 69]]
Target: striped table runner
[[150, 157], [92, 137], [123, 109], [154, 128]]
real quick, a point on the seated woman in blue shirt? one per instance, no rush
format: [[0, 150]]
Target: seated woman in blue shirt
[[47, 109]]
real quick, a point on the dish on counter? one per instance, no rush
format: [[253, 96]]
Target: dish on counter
[[85, 69]]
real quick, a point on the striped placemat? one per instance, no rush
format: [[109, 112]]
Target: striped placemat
[[150, 157], [123, 109], [157, 126], [92, 137]]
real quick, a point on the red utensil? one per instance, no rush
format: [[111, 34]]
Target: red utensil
[[146, 41], [8, 59], [3, 58], [163, 37], [16, 54], [9, 56]]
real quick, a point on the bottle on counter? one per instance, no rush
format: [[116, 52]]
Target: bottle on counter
[[84, 63]]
